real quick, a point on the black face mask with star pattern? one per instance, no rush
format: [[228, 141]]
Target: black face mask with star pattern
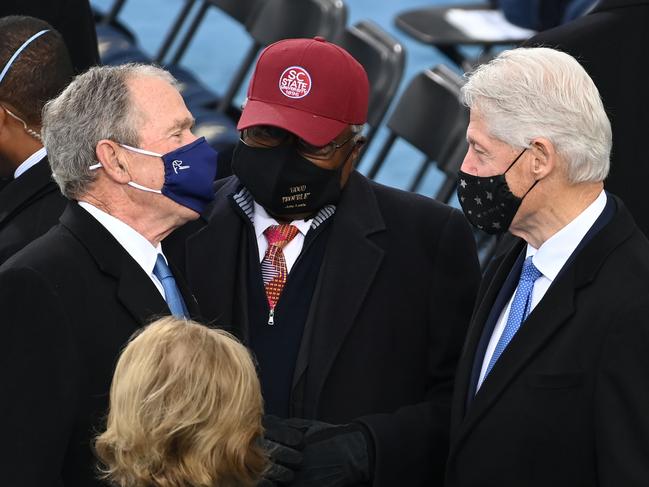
[[487, 201]]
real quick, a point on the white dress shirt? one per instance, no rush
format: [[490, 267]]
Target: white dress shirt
[[548, 259], [30, 162], [138, 247], [262, 220]]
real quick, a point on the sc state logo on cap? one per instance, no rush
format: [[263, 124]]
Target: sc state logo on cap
[[295, 82]]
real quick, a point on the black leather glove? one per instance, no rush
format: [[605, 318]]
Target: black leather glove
[[335, 455], [283, 442]]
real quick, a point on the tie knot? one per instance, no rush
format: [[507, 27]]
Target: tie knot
[[530, 273], [280, 235], [161, 269]]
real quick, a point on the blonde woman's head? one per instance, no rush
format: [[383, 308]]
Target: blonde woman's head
[[185, 410]]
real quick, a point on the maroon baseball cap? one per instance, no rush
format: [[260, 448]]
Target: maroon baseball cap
[[309, 87]]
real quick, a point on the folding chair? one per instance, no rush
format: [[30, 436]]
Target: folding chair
[[430, 117], [429, 25], [239, 10], [281, 19], [383, 58]]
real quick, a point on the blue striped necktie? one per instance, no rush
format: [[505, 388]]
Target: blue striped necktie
[[172, 294]]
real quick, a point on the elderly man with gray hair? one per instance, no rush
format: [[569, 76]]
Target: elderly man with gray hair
[[552, 387], [120, 145]]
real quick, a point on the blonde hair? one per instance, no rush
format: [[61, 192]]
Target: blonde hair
[[185, 410]]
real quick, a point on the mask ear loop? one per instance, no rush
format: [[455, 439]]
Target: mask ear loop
[[514, 162], [133, 184]]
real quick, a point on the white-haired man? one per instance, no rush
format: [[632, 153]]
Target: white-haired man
[[120, 145], [551, 388]]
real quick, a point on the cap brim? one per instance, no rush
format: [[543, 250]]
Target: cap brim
[[312, 128]]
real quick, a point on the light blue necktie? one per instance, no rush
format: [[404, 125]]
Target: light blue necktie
[[519, 310], [172, 294]]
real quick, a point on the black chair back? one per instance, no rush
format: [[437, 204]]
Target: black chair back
[[283, 19], [274, 20], [240, 10], [383, 58], [430, 117]]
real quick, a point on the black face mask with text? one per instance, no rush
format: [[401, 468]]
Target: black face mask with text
[[284, 182]]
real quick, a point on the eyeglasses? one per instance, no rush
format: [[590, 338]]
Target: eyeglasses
[[268, 136]]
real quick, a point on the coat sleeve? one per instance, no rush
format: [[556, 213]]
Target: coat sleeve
[[412, 443], [622, 401], [39, 380]]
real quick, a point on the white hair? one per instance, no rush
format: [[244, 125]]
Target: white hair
[[95, 106], [527, 93]]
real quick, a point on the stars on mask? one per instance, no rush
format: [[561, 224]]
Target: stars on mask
[[490, 196], [496, 225], [478, 201], [463, 183]]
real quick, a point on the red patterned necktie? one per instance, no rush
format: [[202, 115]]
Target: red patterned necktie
[[273, 266]]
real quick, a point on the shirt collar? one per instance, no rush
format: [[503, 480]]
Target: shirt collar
[[30, 162], [262, 220], [243, 198], [138, 247], [552, 255]]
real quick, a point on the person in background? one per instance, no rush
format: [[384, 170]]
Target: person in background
[[551, 386], [121, 149], [543, 14], [610, 43], [74, 19], [34, 67], [185, 411], [354, 297]]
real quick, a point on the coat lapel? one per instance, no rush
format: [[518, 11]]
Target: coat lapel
[[553, 312], [18, 192], [135, 290], [548, 316], [485, 304], [213, 264], [350, 263]]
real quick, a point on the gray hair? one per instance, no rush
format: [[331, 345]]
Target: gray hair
[[95, 106], [526, 93]]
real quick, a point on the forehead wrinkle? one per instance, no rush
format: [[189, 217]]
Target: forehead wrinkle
[[184, 123]]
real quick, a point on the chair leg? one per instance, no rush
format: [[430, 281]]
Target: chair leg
[[240, 75], [378, 162], [173, 32], [113, 13], [445, 192], [419, 177], [453, 53], [189, 35]]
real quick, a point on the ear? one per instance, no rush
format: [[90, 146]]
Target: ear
[[356, 151], [545, 157], [112, 161]]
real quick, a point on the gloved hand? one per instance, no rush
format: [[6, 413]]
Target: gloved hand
[[335, 455], [283, 442]]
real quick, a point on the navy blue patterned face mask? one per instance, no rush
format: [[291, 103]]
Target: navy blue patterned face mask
[[487, 201], [189, 174]]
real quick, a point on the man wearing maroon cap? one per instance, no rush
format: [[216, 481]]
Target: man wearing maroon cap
[[354, 297]]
